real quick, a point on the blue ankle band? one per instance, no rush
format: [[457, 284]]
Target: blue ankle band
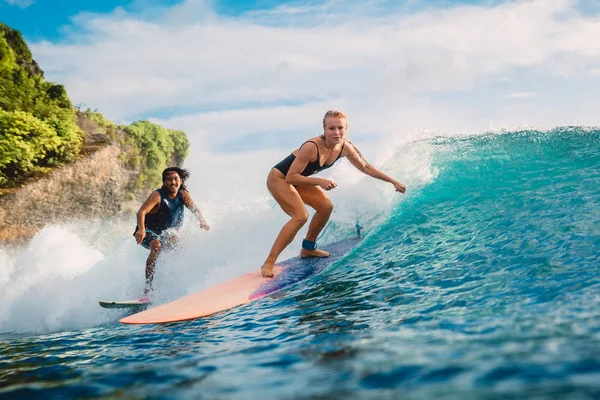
[[308, 245]]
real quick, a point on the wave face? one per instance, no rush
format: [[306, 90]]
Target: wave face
[[484, 280]]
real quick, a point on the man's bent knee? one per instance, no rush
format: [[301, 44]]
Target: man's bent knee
[[155, 246]]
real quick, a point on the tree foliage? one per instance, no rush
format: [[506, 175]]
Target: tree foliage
[[25, 141], [181, 146], [37, 124], [154, 148], [21, 50]]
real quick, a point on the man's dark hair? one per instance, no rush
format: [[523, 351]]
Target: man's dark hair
[[183, 175]]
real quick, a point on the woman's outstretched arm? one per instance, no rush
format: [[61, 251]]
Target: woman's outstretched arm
[[359, 162]]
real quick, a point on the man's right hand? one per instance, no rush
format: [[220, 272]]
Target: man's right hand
[[140, 235], [204, 225]]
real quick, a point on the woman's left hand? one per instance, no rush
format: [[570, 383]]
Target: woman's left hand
[[400, 187]]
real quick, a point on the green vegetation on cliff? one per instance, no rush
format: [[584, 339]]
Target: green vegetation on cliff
[[37, 120], [147, 147], [153, 148], [40, 129]]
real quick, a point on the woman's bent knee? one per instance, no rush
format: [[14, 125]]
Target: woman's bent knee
[[300, 218], [325, 208]]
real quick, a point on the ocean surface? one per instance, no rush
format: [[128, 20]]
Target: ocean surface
[[482, 281]]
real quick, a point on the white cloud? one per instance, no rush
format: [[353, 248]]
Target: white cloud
[[521, 95], [270, 75], [20, 3]]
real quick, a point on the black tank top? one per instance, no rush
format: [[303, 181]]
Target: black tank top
[[169, 214], [312, 167]]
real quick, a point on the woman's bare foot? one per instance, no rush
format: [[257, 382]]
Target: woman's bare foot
[[313, 253], [267, 269]]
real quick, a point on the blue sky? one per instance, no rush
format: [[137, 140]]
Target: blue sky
[[252, 70], [45, 19]]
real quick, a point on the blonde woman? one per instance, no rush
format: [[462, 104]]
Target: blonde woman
[[291, 184]]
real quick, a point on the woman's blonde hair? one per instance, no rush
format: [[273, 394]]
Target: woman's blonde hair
[[334, 113]]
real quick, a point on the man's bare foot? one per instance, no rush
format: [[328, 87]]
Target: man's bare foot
[[313, 253], [267, 269]]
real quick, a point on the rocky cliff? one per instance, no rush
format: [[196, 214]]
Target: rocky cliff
[[91, 187]]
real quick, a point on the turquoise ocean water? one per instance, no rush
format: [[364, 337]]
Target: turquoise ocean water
[[482, 283]]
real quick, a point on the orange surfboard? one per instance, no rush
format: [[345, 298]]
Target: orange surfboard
[[241, 290]]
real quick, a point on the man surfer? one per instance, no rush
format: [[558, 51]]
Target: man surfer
[[162, 214], [289, 182]]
